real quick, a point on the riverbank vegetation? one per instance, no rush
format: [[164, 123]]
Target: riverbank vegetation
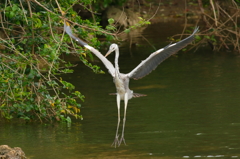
[[221, 21], [33, 46], [32, 50]]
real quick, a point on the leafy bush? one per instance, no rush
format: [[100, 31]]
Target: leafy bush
[[31, 44]]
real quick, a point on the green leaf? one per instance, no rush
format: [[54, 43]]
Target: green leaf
[[127, 30], [111, 21]]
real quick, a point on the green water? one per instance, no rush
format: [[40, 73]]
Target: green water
[[191, 111]]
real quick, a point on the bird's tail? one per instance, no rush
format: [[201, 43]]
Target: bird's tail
[[135, 95]]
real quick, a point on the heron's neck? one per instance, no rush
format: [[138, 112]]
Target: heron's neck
[[116, 59]]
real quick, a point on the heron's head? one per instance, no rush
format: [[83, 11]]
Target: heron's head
[[112, 48]]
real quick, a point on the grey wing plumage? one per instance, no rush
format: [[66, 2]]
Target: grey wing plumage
[[149, 64], [68, 30], [104, 60]]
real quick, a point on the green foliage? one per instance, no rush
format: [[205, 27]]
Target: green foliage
[[30, 65], [141, 23], [212, 38], [111, 27]]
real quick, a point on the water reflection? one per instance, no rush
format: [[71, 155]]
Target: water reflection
[[192, 110]]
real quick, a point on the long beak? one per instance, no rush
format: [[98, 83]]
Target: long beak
[[109, 52]]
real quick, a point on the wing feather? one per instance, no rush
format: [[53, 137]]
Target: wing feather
[[149, 64], [104, 60]]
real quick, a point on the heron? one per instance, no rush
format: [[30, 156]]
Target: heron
[[121, 80]]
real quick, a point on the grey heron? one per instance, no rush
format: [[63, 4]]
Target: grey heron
[[122, 80]]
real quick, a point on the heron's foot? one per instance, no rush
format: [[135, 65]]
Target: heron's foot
[[122, 140], [115, 142]]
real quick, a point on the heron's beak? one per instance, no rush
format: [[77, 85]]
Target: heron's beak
[[108, 53]]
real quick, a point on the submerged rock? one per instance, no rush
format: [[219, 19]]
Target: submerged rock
[[7, 152]]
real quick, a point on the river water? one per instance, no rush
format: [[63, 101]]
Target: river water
[[191, 111]]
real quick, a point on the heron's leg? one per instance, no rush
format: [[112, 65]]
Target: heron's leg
[[124, 119], [116, 141]]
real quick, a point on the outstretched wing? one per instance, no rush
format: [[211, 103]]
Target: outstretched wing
[[149, 64], [104, 60]]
